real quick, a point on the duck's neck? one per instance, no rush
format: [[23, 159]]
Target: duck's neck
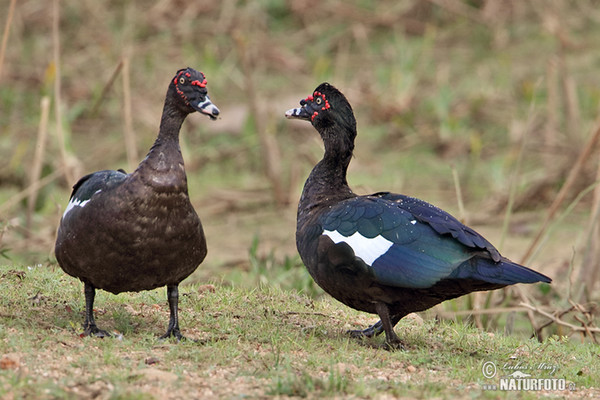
[[327, 184], [163, 164]]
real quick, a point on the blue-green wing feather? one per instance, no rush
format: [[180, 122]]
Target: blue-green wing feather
[[427, 244], [442, 222]]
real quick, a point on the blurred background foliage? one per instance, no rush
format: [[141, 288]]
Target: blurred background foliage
[[496, 98]]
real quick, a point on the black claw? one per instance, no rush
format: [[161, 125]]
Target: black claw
[[394, 345], [175, 333], [92, 330]]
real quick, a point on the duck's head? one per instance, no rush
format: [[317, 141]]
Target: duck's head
[[191, 93], [326, 107]]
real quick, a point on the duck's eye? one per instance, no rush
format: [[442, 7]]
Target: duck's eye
[[181, 80], [318, 100]]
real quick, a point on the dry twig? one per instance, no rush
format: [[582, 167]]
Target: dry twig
[[586, 328]]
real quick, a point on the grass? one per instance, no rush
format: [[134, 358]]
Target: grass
[[262, 342]]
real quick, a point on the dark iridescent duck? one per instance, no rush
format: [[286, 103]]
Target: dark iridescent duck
[[384, 253], [131, 232]]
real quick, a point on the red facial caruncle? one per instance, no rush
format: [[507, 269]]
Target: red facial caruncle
[[198, 83], [318, 98], [180, 79]]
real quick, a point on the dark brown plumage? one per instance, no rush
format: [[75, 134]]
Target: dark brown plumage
[[139, 231]]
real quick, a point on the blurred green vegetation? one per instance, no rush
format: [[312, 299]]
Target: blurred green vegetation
[[435, 85]]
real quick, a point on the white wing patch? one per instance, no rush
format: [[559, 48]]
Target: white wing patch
[[367, 249], [75, 202]]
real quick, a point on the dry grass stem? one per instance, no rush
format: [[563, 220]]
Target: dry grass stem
[[105, 89], [459, 198], [128, 132], [564, 190], [269, 149], [552, 110], [482, 311], [475, 297], [509, 208], [573, 108], [60, 134], [514, 177], [25, 193], [590, 266], [38, 158], [9, 17], [589, 273]]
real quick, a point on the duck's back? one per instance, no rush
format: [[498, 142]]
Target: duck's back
[[130, 232]]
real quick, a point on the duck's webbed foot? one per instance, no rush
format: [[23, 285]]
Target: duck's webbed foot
[[392, 341], [385, 324], [374, 330], [173, 332], [369, 332]]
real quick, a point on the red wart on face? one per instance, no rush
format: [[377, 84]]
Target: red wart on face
[[198, 83], [318, 98], [179, 79]]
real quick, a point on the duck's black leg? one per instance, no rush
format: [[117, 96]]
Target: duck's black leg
[[391, 339], [173, 299], [385, 324], [89, 324]]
